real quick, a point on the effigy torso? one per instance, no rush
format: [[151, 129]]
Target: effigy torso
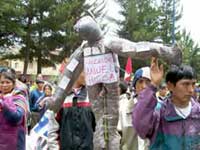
[[100, 65]]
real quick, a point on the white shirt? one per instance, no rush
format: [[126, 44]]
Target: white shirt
[[125, 112], [184, 112]]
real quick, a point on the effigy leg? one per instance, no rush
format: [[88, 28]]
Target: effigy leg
[[111, 115], [98, 109], [105, 107]]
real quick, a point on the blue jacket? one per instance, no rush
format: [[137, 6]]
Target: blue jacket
[[34, 96]]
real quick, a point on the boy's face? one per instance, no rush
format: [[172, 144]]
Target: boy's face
[[163, 91], [80, 81], [141, 84], [182, 91], [40, 85]]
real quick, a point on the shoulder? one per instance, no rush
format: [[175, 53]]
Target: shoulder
[[33, 91], [17, 92], [20, 91], [195, 105]]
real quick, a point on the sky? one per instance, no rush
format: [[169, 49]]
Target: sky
[[190, 19]]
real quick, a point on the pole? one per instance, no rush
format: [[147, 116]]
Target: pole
[[173, 23], [105, 120]]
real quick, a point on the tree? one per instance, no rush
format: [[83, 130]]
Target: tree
[[48, 35], [99, 12], [9, 24], [170, 14], [47, 26], [141, 23], [141, 20], [191, 52]]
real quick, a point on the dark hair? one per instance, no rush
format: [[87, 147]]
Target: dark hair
[[123, 86], [47, 85], [39, 81], [3, 69], [163, 85], [9, 74], [177, 73], [23, 78], [6, 69]]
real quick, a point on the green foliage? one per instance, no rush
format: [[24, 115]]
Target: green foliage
[[9, 23], [147, 20], [141, 20], [141, 23], [42, 27], [191, 52], [166, 20]]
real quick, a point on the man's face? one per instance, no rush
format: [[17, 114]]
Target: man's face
[[40, 85], [182, 91], [141, 84]]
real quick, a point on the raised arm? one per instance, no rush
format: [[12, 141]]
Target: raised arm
[[14, 109], [144, 50], [145, 117]]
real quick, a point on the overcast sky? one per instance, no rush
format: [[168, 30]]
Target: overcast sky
[[190, 20]]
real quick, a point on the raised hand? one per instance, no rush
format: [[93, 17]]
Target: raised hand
[[156, 72]]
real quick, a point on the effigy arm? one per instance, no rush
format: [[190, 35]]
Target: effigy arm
[[144, 50], [71, 74]]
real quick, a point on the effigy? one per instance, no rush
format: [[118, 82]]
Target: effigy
[[98, 57]]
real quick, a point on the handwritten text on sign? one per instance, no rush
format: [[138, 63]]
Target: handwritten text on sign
[[100, 69]]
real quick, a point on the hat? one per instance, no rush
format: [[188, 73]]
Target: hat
[[142, 72], [39, 81], [123, 86], [162, 85]]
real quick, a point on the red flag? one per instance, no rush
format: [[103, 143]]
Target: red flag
[[128, 70], [62, 67]]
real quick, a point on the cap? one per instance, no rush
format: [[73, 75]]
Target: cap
[[142, 72], [162, 85]]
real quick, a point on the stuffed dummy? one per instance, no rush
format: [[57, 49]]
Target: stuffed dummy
[[97, 56]]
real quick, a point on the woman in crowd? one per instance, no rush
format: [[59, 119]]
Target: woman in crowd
[[39, 106], [13, 111]]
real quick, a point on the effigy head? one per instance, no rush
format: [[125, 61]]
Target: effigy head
[[88, 29]]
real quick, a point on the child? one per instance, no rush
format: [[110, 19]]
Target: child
[[76, 119]]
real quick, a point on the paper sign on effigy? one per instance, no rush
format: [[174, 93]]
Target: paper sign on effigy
[[72, 65], [64, 82], [100, 69]]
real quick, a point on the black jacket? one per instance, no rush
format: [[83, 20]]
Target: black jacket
[[77, 122]]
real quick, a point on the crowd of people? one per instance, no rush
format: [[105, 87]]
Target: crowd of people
[[154, 113]]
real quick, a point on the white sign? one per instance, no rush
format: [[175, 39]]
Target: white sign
[[72, 65], [141, 47], [41, 127], [100, 69], [64, 82]]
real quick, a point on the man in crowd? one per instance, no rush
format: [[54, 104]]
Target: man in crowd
[[130, 140], [34, 96], [176, 125]]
